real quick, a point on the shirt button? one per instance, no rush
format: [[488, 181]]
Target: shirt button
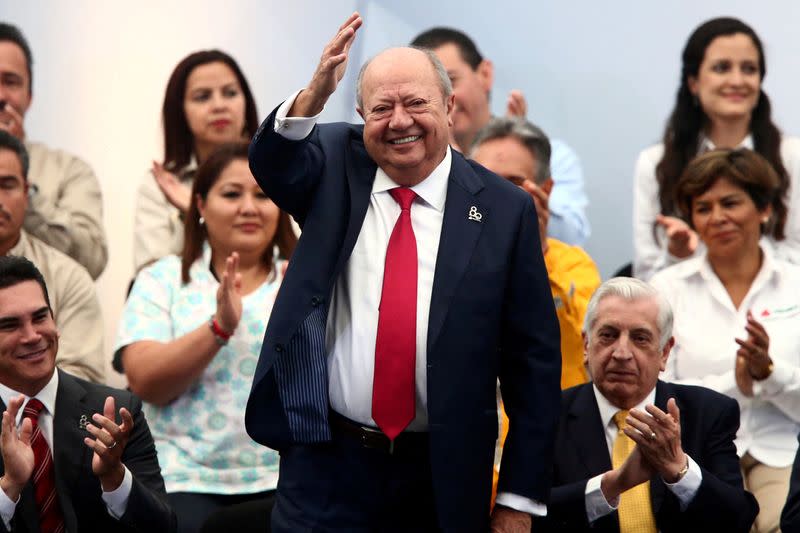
[[279, 348], [315, 301]]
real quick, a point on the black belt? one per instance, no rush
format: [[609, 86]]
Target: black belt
[[408, 442]]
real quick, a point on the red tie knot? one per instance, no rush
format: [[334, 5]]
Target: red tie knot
[[403, 196], [32, 409]]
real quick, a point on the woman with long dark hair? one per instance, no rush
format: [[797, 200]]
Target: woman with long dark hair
[[720, 104], [207, 103], [190, 338]]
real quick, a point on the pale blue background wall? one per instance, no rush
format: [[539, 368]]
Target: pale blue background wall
[[601, 76]]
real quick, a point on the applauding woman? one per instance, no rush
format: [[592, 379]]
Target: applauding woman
[[207, 104], [720, 104], [736, 310], [191, 334]]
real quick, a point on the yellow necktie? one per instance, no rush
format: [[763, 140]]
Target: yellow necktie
[[635, 509]]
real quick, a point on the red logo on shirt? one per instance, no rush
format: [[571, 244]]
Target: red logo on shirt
[[764, 313]]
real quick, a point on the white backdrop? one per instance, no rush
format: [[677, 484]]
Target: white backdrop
[[601, 76]]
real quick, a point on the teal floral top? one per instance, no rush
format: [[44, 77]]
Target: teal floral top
[[200, 437]]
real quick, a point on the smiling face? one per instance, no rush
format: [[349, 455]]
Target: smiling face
[[13, 198], [214, 106], [727, 220], [238, 215], [728, 82], [622, 349], [28, 338], [471, 91], [406, 117]]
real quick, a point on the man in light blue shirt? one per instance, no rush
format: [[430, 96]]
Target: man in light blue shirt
[[472, 76]]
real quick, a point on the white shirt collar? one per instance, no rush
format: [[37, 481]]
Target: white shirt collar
[[433, 189], [706, 145], [47, 395], [768, 268], [608, 410]]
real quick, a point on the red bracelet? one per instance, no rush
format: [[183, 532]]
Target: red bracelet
[[218, 331]]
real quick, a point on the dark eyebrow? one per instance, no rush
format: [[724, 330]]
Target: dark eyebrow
[[9, 321]]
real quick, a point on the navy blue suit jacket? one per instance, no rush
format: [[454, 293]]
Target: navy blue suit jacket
[[709, 422], [491, 315]]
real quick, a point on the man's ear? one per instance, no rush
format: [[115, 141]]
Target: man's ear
[[485, 73], [665, 353], [450, 105], [360, 113], [547, 186]]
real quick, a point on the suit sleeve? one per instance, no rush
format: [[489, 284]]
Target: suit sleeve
[[530, 367], [147, 509], [288, 171], [721, 503]]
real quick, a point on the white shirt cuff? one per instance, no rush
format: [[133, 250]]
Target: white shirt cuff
[[686, 487], [117, 500], [777, 381], [293, 128], [596, 504], [7, 509], [521, 503]]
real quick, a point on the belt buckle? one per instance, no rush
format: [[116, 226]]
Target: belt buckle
[[368, 431]]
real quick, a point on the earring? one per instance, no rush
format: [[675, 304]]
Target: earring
[[202, 221]]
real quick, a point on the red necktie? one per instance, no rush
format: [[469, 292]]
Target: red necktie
[[396, 345], [44, 475]]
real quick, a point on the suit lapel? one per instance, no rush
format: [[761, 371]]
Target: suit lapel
[[457, 242], [657, 487], [584, 419], [360, 177], [72, 457]]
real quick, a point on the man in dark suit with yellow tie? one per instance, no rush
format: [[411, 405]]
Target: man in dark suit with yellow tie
[[417, 282], [68, 463], [635, 454]]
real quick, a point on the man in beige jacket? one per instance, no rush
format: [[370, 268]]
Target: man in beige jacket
[[72, 294], [65, 208]]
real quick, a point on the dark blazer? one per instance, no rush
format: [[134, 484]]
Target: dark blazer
[[709, 422], [491, 315], [790, 517], [79, 491]]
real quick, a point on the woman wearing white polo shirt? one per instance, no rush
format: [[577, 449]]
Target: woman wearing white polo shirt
[[737, 315]]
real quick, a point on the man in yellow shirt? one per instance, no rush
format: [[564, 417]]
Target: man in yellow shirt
[[520, 152]]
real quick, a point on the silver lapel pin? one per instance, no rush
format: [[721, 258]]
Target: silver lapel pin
[[474, 215], [83, 422]]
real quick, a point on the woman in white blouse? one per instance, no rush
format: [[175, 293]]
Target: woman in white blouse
[[207, 104], [737, 314], [720, 104]]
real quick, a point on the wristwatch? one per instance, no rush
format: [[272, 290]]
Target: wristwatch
[[682, 471]]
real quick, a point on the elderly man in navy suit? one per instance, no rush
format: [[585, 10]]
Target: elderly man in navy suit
[[417, 282], [635, 454]]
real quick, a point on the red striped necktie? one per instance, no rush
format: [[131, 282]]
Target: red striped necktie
[[393, 403], [44, 474]]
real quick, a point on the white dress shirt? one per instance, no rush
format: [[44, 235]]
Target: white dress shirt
[[706, 324], [116, 500], [650, 257], [352, 324], [596, 504]]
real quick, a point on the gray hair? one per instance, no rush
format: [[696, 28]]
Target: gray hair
[[445, 85], [531, 137], [9, 142], [631, 289]]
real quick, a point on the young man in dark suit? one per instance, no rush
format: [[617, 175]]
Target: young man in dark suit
[[68, 464], [634, 453]]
